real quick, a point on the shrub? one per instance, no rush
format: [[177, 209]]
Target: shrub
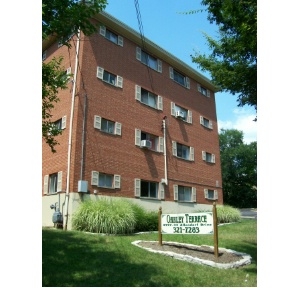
[[109, 216], [145, 221], [227, 214]]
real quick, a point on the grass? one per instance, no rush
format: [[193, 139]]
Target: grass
[[76, 259]]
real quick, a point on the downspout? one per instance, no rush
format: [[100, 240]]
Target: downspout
[[165, 181], [83, 138], [70, 133]]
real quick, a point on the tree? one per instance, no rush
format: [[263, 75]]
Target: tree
[[233, 61], [239, 169], [60, 19]]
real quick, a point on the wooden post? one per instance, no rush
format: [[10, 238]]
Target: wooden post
[[215, 218], [159, 227]]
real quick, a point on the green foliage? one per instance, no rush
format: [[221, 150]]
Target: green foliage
[[226, 214], [239, 169], [109, 216], [53, 79], [233, 60], [145, 220]]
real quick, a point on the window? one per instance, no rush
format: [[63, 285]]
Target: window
[[211, 194], [182, 151], [208, 157], [68, 73], [52, 183], [184, 193], [65, 40], [203, 90], [44, 55], [109, 77], [111, 36], [206, 123], [157, 143], [148, 189], [107, 125], [181, 113], [179, 78], [148, 98], [106, 180], [58, 125], [148, 60]]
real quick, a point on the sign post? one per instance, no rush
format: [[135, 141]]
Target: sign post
[[159, 227], [216, 244]]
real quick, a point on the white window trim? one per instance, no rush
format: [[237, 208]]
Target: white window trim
[[210, 123], [187, 81], [215, 195], [59, 183], [138, 97], [117, 125], [213, 157], [116, 180], [191, 155], [102, 31], [189, 117], [137, 187], [193, 194], [138, 55]]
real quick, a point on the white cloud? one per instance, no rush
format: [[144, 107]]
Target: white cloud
[[243, 121]]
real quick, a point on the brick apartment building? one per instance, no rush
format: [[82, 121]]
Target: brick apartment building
[[137, 123]]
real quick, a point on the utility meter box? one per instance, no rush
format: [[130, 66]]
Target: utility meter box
[[57, 217], [82, 186]]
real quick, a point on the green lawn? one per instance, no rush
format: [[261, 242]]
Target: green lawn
[[77, 259]]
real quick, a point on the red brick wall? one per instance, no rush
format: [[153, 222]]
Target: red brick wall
[[118, 154]]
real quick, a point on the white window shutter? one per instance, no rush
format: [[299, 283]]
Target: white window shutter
[[46, 182], [100, 72], [187, 82], [161, 191], [213, 158], [189, 117], [193, 194], [208, 93], [161, 144], [210, 124], [175, 190], [174, 148], [63, 122], [203, 155], [201, 120], [102, 30], [159, 103], [118, 128], [138, 53], [95, 178], [117, 181], [173, 108], [59, 181], [119, 81], [192, 153], [138, 137], [206, 193], [171, 72], [137, 187], [97, 122], [120, 41], [138, 92], [215, 194], [159, 66], [69, 70]]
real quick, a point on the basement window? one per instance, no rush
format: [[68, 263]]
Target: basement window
[[184, 193], [211, 194]]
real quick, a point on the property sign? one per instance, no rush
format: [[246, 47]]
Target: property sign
[[187, 223]]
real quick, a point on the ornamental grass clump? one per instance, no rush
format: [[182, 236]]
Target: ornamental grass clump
[[228, 214], [145, 220], [108, 216]]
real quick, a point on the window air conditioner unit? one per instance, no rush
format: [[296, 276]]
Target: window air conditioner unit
[[146, 144], [179, 114]]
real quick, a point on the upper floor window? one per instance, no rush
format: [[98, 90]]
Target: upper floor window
[[111, 36], [206, 123], [109, 77], [112, 181], [203, 90], [211, 194], [182, 151], [208, 157], [107, 126], [148, 189], [147, 140], [44, 55], [181, 113], [52, 183], [148, 60], [58, 125], [179, 78], [148, 98], [64, 40], [184, 193]]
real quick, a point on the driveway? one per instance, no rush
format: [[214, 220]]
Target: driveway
[[249, 213]]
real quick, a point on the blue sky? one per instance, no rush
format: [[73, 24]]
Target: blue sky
[[166, 24]]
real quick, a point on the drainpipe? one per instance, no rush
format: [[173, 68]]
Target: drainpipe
[[83, 137], [70, 133], [165, 181]]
